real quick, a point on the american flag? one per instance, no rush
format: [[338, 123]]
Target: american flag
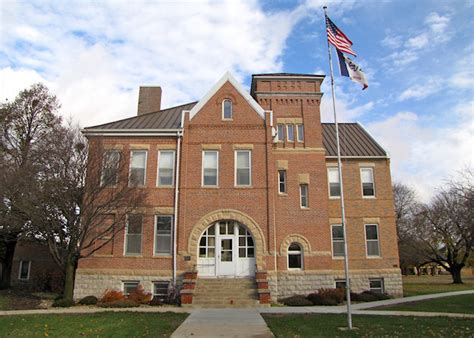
[[337, 38]]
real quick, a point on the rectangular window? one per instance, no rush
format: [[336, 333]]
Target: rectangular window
[[290, 133], [337, 240], [334, 186], [282, 181], [110, 168], [24, 273], [367, 179], [340, 283], [243, 164], [165, 168], [163, 234], [160, 290], [129, 286], [210, 168], [133, 234], [280, 133], [137, 168], [304, 196], [376, 285], [300, 133], [372, 240]]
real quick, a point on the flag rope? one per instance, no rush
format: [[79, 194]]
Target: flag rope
[[343, 212]]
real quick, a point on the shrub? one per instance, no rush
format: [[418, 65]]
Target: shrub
[[368, 296], [48, 280], [63, 303], [327, 297], [296, 300], [119, 304], [155, 302], [138, 295], [88, 300], [111, 296]]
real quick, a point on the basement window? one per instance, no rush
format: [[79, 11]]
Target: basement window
[[376, 285], [129, 286], [160, 290]]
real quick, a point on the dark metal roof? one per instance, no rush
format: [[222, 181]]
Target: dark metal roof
[[354, 141], [169, 118]]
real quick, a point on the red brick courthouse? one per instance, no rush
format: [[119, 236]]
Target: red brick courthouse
[[246, 185]]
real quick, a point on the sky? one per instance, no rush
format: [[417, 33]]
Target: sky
[[417, 55]]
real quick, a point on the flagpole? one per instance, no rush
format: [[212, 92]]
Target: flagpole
[[343, 211]]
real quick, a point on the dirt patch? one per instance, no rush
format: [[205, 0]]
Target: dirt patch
[[20, 300]]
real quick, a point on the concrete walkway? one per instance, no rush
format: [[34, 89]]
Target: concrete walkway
[[223, 323]]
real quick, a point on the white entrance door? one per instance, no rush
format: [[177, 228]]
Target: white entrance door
[[226, 256]]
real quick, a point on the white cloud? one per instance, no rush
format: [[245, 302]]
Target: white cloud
[[429, 87], [392, 41], [95, 55], [423, 155], [417, 42], [437, 23]]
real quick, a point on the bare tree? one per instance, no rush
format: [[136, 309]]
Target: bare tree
[[81, 202], [24, 126]]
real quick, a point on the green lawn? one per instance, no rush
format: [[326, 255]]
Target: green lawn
[[313, 325], [423, 285], [119, 324], [454, 304], [3, 302]]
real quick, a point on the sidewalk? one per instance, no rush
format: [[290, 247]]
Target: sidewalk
[[223, 323]]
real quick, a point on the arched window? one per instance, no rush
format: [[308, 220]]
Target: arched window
[[227, 109], [295, 256]]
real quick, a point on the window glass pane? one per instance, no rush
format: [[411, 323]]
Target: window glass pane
[[134, 224], [337, 232], [165, 168], [202, 242], [134, 244], [163, 235], [243, 159], [304, 195], [333, 175], [24, 268], [366, 175], [163, 244], [243, 177], [250, 252], [371, 231], [227, 109], [340, 284], [338, 249], [138, 159], [280, 132], [202, 252], [210, 168], [129, 287], [290, 132], [249, 241], [110, 167], [294, 261], [242, 252], [160, 290], [376, 285], [211, 241], [211, 231], [373, 248], [222, 228], [294, 247], [210, 159], [210, 177], [211, 252], [242, 231], [282, 181], [241, 241], [300, 133]]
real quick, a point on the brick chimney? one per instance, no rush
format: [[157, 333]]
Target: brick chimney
[[149, 100]]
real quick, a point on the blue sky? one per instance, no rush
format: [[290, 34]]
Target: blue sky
[[418, 57]]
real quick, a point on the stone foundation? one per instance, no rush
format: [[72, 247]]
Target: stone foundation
[[95, 284], [304, 282]]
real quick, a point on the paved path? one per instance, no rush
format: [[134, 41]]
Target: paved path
[[223, 323]]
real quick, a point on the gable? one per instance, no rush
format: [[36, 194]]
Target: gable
[[227, 78]]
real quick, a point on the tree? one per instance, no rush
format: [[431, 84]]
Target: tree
[[25, 126], [406, 209], [447, 225], [76, 208]]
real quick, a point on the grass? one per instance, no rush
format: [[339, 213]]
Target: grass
[[423, 285], [454, 304], [316, 325], [109, 324], [4, 302]]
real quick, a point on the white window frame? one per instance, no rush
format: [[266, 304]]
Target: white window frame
[[129, 282], [155, 234], [307, 196], [362, 182], [250, 168], [130, 167], [329, 182], [20, 268], [282, 128], [158, 168], [382, 284], [231, 110], [125, 240], [300, 252], [298, 138], [103, 166], [285, 182], [288, 126], [202, 168], [339, 280], [332, 243], [372, 240]]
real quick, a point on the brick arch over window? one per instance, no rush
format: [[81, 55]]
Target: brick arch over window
[[301, 240], [233, 215]]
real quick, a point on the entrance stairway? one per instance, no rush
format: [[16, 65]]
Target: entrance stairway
[[225, 293]]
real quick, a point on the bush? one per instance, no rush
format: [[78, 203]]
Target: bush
[[296, 300], [111, 296], [368, 296], [138, 295], [48, 280], [155, 302], [119, 304], [327, 297], [63, 303], [88, 300]]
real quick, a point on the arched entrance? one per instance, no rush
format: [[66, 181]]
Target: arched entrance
[[226, 249]]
